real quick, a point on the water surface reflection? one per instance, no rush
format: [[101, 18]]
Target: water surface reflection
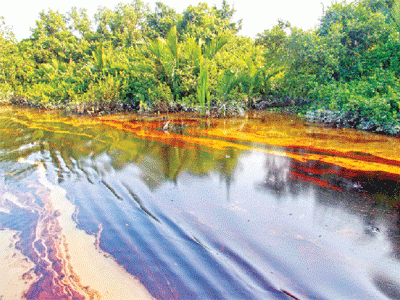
[[239, 209]]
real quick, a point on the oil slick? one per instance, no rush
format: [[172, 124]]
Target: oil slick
[[60, 261], [291, 180], [16, 270], [93, 271], [346, 148]]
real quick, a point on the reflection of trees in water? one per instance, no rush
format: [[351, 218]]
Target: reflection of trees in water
[[165, 163], [93, 151], [357, 195], [81, 150], [383, 187], [285, 175], [276, 178], [394, 232], [372, 212], [371, 197]]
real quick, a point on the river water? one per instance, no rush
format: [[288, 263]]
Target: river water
[[262, 207]]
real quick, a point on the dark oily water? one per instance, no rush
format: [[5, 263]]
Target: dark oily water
[[258, 208]]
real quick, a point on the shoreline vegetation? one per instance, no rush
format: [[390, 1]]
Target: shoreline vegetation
[[344, 73]]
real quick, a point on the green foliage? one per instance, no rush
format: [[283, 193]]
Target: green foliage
[[107, 89], [165, 53], [395, 13], [127, 54], [131, 56], [203, 88], [275, 42], [226, 85], [359, 30], [161, 21], [205, 23], [81, 23], [121, 26], [206, 58], [7, 47]]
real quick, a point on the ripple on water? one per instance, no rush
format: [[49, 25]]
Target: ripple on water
[[61, 260]]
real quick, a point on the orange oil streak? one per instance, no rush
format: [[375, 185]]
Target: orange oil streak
[[350, 149], [306, 178], [346, 148]]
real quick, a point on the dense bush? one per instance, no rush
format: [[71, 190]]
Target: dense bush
[[133, 57]]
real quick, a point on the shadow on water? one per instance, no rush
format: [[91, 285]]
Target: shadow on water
[[200, 214]]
